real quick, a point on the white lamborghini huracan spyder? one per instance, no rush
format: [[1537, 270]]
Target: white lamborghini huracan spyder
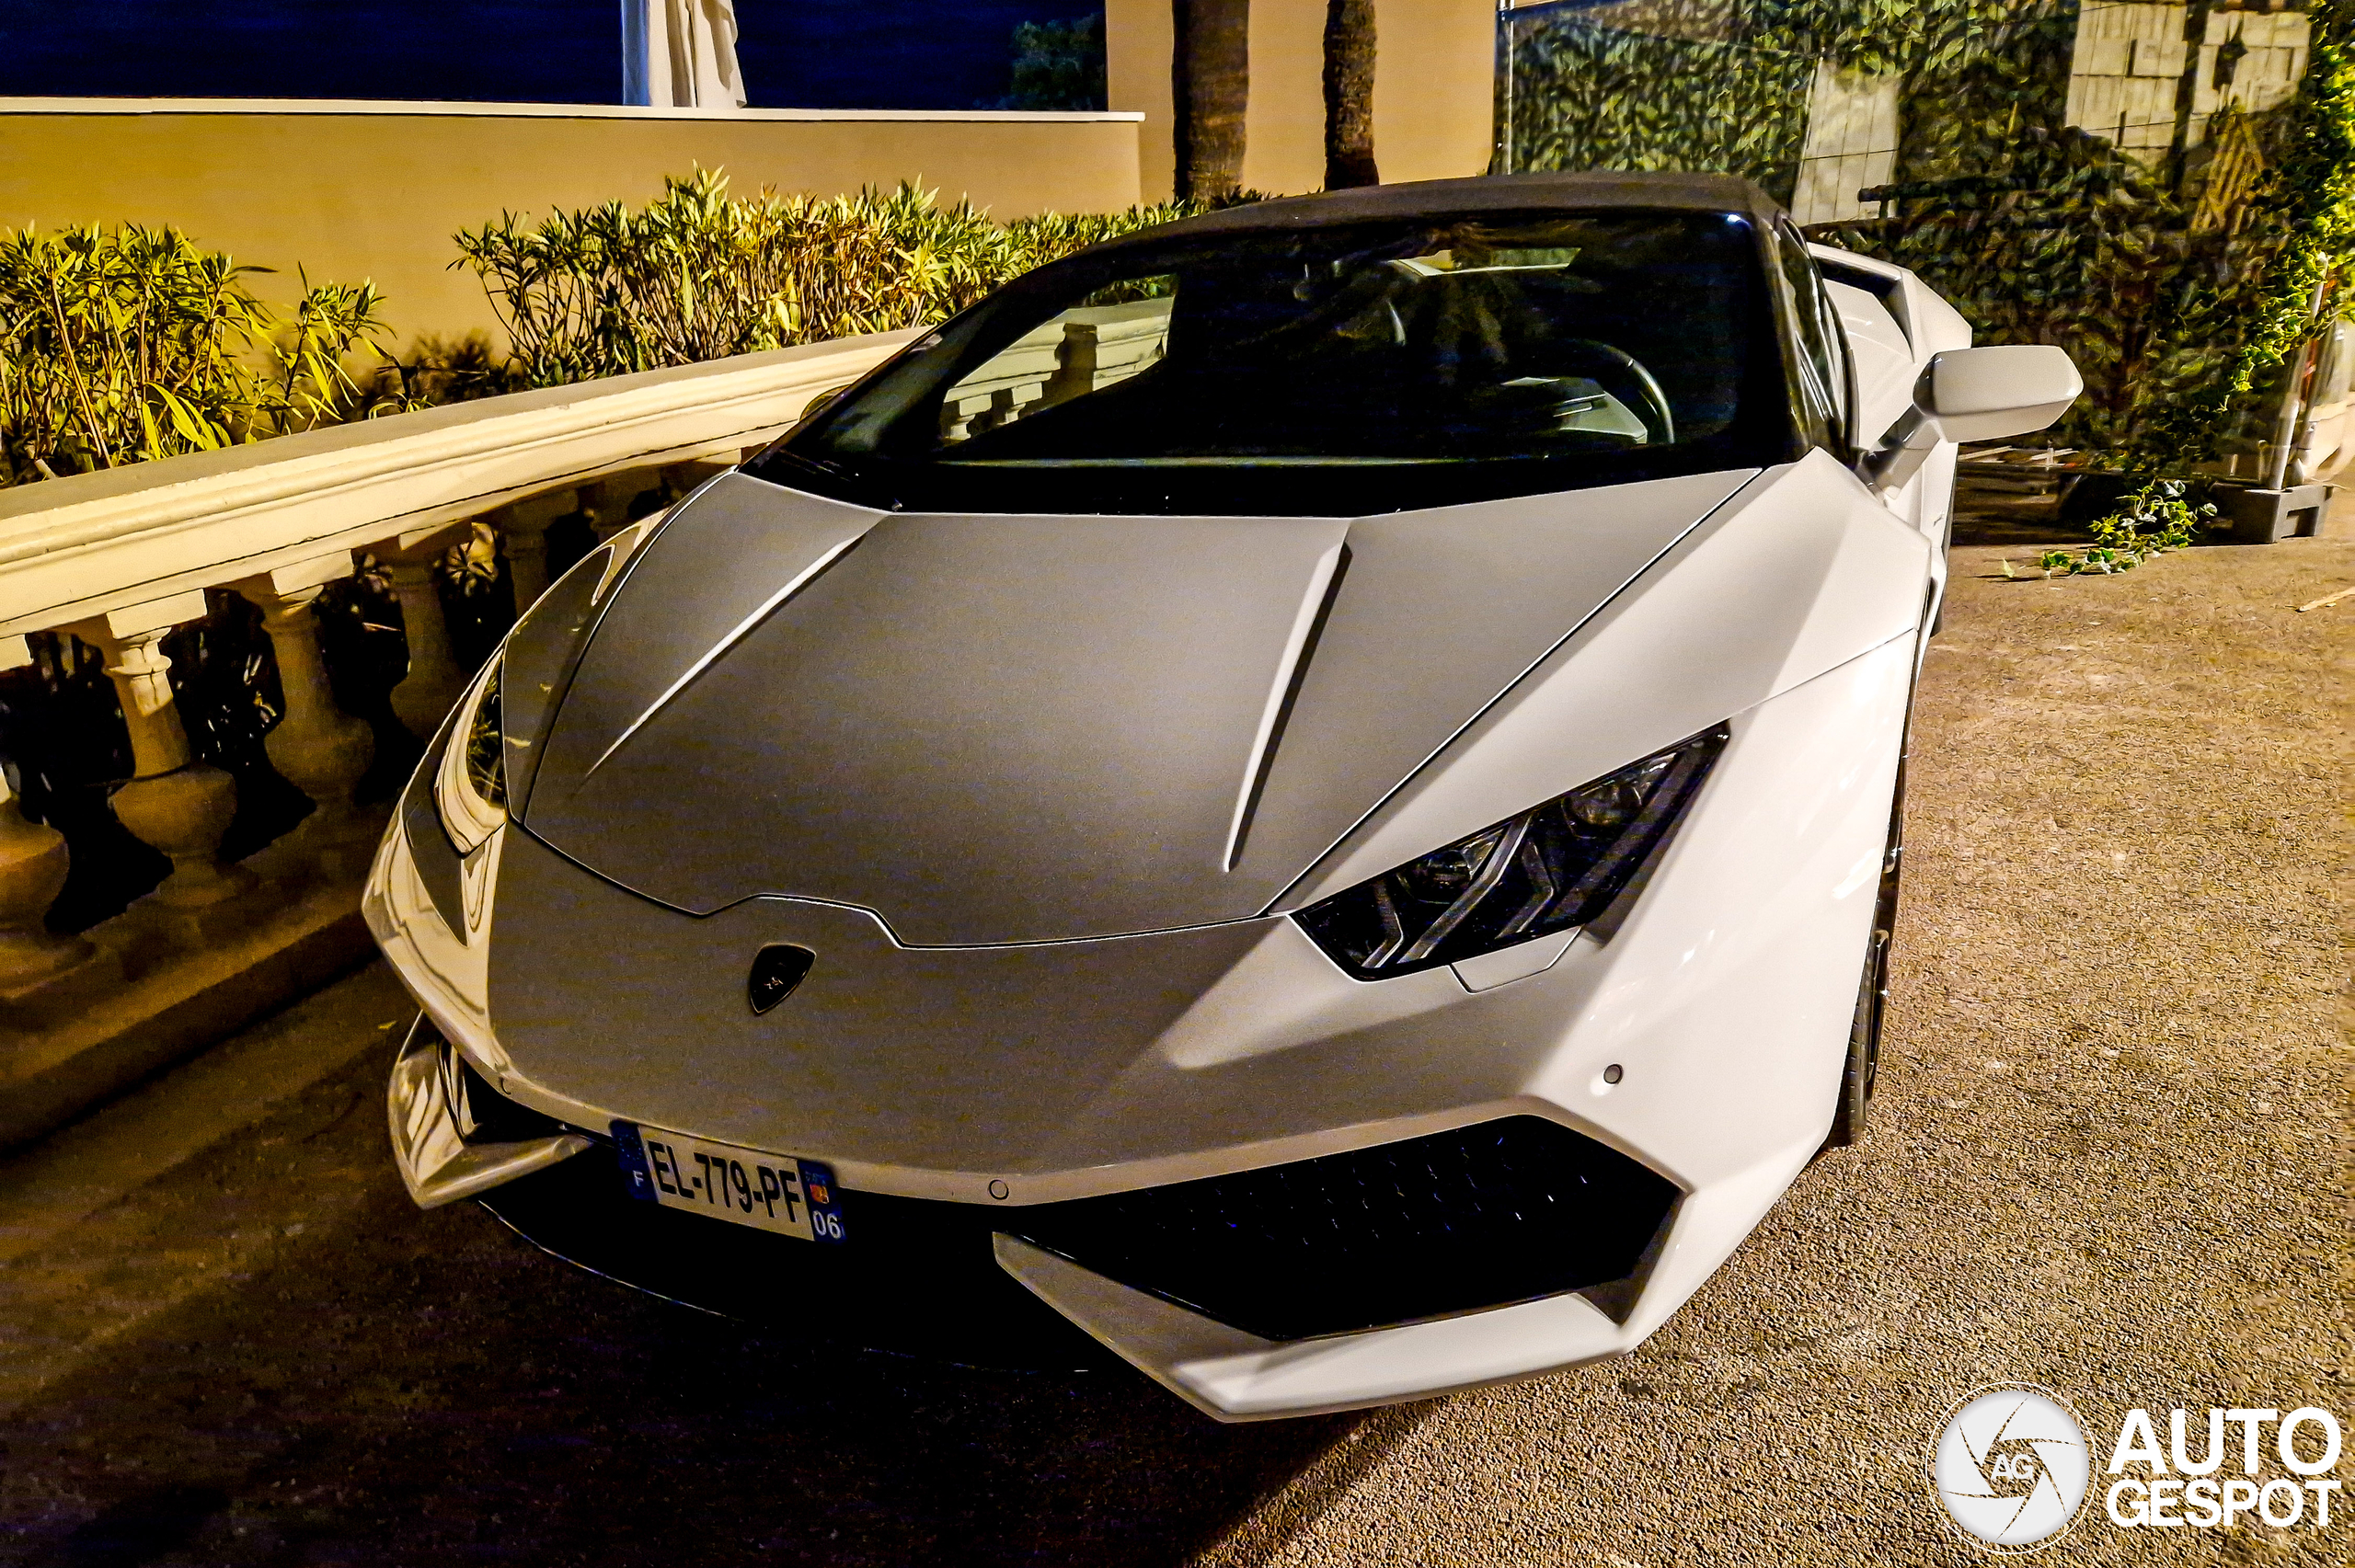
[[1312, 793]]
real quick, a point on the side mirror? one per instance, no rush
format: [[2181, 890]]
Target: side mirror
[[1980, 395]]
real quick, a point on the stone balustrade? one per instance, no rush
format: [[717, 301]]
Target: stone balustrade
[[119, 562]]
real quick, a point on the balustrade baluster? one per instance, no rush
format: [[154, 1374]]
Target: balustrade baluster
[[33, 863], [178, 805], [524, 528], [316, 745], [434, 682], [616, 497]]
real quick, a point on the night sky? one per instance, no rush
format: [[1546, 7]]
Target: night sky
[[794, 53]]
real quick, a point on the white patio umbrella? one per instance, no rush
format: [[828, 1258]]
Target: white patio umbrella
[[681, 54]]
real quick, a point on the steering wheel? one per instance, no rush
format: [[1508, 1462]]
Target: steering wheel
[[1654, 397]]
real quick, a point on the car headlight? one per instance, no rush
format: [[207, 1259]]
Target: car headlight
[[1551, 868], [471, 788]]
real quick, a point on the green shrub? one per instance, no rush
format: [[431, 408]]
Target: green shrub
[[125, 344], [699, 275]]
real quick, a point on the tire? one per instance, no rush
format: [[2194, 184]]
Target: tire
[[1863, 1050], [1872, 994]]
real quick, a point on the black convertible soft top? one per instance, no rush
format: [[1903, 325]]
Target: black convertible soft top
[[1608, 188]]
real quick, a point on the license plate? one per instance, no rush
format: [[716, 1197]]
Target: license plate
[[776, 1193]]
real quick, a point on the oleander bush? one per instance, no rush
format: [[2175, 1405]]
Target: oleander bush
[[120, 344], [697, 274]]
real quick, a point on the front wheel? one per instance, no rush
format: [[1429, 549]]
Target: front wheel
[[1872, 992], [1863, 1048]]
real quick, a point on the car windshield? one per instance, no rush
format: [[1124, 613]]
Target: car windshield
[[1326, 370]]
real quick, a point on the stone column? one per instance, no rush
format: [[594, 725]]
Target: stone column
[[524, 527], [609, 510], [681, 477], [33, 863], [434, 682], [620, 493], [178, 805], [316, 746]]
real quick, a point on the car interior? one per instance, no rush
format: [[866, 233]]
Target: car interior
[[1447, 343]]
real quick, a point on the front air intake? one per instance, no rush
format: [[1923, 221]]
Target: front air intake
[[1481, 1217]]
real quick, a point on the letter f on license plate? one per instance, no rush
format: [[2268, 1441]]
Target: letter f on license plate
[[744, 1187]]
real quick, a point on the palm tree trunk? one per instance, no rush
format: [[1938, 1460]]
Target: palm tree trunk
[[1211, 82], [1348, 94]]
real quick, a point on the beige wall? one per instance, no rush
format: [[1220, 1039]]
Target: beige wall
[[1434, 87], [354, 191], [1283, 148], [1138, 38], [1433, 96]]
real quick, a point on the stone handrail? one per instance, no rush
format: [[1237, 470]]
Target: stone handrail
[[120, 559], [91, 544]]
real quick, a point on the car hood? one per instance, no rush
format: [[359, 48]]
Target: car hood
[[1012, 729]]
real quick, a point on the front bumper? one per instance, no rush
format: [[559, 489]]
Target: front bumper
[[1495, 1214], [1724, 994]]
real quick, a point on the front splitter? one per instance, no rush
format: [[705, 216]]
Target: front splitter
[[913, 1277]]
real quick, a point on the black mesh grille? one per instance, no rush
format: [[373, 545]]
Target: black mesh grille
[[1501, 1212]]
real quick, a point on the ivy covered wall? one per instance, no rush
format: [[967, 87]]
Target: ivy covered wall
[[2176, 270], [1711, 85], [1582, 94]]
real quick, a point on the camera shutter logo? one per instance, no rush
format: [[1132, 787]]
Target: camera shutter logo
[[2011, 1467]]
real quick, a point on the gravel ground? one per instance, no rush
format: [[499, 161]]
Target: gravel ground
[[2108, 1157]]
